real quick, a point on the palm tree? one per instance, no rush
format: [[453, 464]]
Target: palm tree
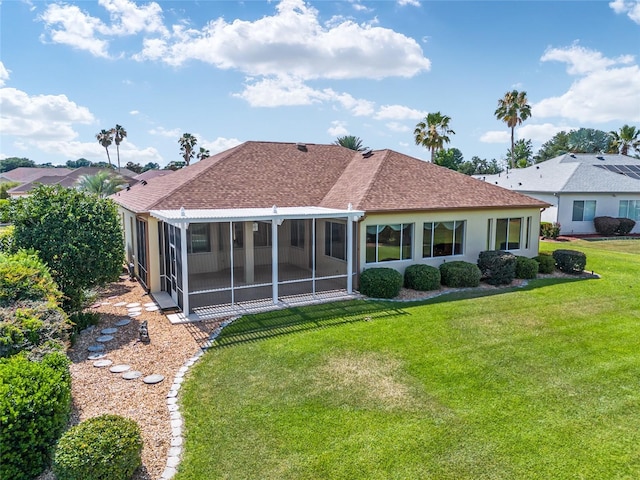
[[433, 132], [627, 138], [203, 153], [351, 142], [513, 109], [187, 143], [102, 184], [105, 138], [119, 134]]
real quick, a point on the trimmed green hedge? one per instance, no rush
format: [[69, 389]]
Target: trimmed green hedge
[[422, 277], [546, 263], [23, 276], [107, 447], [460, 274], [381, 282], [498, 267], [35, 402], [570, 261], [526, 268]]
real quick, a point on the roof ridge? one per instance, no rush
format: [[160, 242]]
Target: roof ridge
[[373, 177]]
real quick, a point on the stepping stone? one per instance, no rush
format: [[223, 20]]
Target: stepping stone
[[104, 338], [135, 314], [131, 375], [150, 304], [152, 309], [119, 368], [105, 303], [96, 356], [123, 322], [151, 379], [120, 304], [96, 348], [134, 309], [108, 331], [131, 305], [102, 363], [95, 305]]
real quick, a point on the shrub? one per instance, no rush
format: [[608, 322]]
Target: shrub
[[570, 261], [549, 230], [422, 277], [381, 282], [82, 320], [546, 263], [7, 245], [35, 402], [526, 267], [23, 276], [606, 225], [460, 274], [107, 447], [625, 226], [497, 266], [35, 327]]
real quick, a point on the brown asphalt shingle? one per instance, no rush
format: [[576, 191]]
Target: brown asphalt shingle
[[263, 174]]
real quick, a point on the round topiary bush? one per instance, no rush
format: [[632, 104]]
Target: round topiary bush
[[526, 268], [381, 282], [107, 447], [422, 277], [497, 266], [460, 274], [546, 263], [570, 261]]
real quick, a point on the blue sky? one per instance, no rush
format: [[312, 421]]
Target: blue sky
[[297, 71]]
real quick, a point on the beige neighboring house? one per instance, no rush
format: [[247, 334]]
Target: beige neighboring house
[[67, 178], [268, 224]]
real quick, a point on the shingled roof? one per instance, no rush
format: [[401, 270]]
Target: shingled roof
[[263, 174]]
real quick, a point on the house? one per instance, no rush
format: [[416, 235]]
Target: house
[[579, 187], [28, 174], [266, 223], [68, 178]]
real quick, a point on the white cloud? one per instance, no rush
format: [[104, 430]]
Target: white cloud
[[541, 132], [293, 42], [413, 3], [40, 116], [134, 112], [357, 106], [129, 19], [338, 129], [4, 74], [220, 144], [398, 112], [398, 127], [496, 137], [163, 132], [616, 81], [631, 8]]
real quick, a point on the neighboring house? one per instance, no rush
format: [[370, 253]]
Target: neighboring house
[[28, 174], [579, 187], [68, 179], [271, 222], [149, 174]]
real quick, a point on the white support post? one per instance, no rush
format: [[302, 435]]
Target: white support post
[[274, 259], [231, 264], [185, 268], [349, 254]]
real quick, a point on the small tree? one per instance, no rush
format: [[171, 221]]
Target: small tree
[[102, 184], [105, 138], [351, 142], [187, 144], [77, 235]]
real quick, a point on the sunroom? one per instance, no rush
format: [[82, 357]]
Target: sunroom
[[231, 261]]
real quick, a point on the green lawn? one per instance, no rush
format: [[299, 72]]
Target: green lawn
[[541, 382]]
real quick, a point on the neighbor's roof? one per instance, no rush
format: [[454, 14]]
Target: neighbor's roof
[[263, 174], [573, 173], [68, 179], [28, 174]]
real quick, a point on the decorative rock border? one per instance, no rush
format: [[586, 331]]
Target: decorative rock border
[[175, 450]]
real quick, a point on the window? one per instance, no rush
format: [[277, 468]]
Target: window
[[583, 210], [629, 209], [297, 233], [386, 243], [198, 238], [508, 232], [442, 239], [262, 234], [335, 244]]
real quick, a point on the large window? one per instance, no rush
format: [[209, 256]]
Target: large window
[[583, 210], [629, 209], [389, 242], [297, 233], [508, 233], [442, 239], [335, 244], [262, 234], [198, 239]]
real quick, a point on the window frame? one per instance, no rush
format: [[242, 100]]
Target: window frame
[[297, 231], [331, 244], [590, 214], [206, 233], [508, 221], [402, 246], [631, 206], [456, 225]]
